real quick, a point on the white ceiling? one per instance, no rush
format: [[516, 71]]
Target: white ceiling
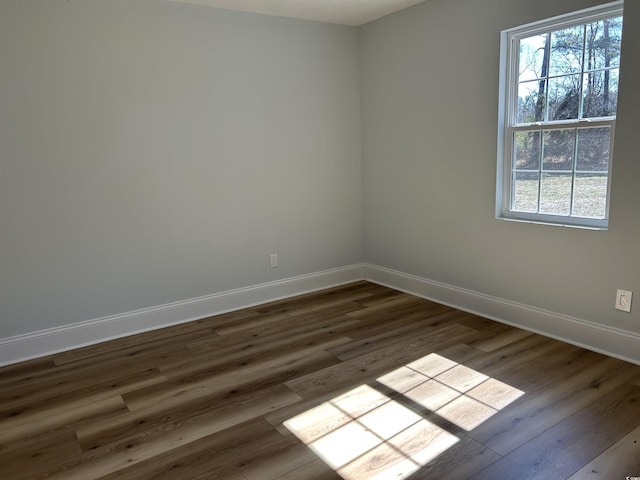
[[345, 12]]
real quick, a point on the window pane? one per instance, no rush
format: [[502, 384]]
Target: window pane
[[525, 192], [527, 150], [531, 102], [603, 44], [564, 97], [559, 147], [566, 51], [531, 57], [590, 195], [555, 193], [593, 149], [600, 93]]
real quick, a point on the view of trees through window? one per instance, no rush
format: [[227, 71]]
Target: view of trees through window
[[567, 90]]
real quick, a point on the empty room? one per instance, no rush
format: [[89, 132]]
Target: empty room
[[319, 239]]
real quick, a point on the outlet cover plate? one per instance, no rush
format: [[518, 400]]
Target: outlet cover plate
[[623, 300]]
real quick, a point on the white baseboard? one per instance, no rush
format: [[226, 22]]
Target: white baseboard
[[59, 339], [609, 341]]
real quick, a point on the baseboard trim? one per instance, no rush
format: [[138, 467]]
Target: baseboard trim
[[609, 341], [59, 339]]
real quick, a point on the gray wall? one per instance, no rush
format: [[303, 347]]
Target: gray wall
[[429, 80], [153, 152]]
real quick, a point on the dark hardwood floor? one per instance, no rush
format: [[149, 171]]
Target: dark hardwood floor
[[355, 382]]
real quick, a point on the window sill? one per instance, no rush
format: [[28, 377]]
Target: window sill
[[553, 224]]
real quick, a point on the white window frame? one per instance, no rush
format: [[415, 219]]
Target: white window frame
[[508, 101]]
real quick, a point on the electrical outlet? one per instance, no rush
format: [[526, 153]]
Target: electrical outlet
[[623, 300], [273, 258]]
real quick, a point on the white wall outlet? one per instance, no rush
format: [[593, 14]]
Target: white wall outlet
[[273, 258], [623, 300]]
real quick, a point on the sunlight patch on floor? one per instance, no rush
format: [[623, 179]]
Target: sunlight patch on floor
[[464, 396], [366, 435]]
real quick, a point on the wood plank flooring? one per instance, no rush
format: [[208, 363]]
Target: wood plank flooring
[[354, 382]]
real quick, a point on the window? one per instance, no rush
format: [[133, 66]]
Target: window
[[558, 102]]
